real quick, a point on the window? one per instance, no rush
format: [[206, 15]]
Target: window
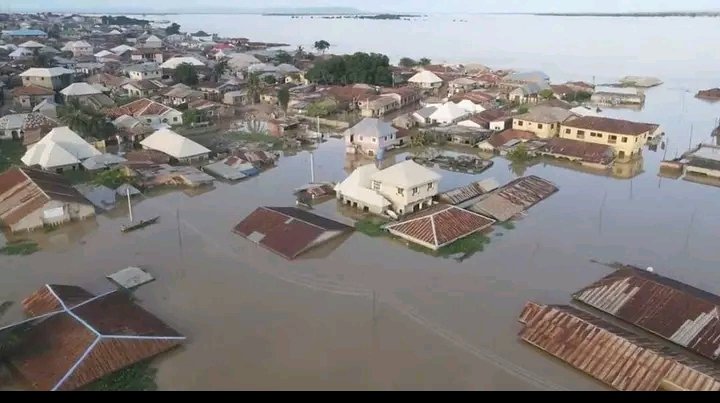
[[361, 138], [581, 133], [430, 186], [374, 140], [624, 139], [520, 122], [552, 125], [415, 191], [401, 191], [148, 120], [375, 185], [567, 131], [175, 119], [164, 120], [540, 126], [599, 135], [612, 139]]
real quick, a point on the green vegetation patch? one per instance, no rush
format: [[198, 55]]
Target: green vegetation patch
[[371, 227], [19, 248], [111, 179], [10, 153], [459, 250], [138, 377], [509, 225]]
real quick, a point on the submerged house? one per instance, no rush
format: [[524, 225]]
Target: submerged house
[[515, 197], [371, 137], [176, 146], [587, 154], [60, 150], [356, 191], [467, 195], [73, 337], [289, 231], [612, 355], [676, 312], [705, 160], [612, 96], [439, 225], [542, 120], [232, 168], [627, 138], [31, 199]]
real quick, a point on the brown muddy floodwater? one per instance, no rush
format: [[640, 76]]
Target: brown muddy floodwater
[[257, 321]]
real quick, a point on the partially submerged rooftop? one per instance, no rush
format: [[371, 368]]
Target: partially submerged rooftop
[[515, 197]]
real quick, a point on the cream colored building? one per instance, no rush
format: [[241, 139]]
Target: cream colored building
[[408, 186], [625, 137], [54, 78], [542, 120]]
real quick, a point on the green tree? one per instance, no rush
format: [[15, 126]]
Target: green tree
[[85, 121], [42, 60], [425, 61], [519, 154], [283, 57], [546, 94], [186, 74], [172, 29], [54, 31], [299, 53], [219, 69], [408, 62], [201, 33], [270, 79], [360, 67], [191, 116], [322, 46], [284, 98], [253, 87], [523, 109], [321, 108]]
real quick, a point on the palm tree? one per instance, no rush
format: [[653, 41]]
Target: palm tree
[[83, 120], [322, 46], [299, 53], [254, 85]]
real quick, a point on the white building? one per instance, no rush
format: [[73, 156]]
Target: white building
[[356, 191], [144, 71], [59, 150], [79, 90], [448, 113], [153, 42], [408, 185], [78, 48], [470, 106], [176, 146], [371, 137], [426, 79], [173, 63]]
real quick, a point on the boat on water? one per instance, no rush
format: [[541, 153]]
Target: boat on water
[[139, 225]]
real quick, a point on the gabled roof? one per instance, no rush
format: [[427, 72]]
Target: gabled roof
[[425, 77], [406, 174], [118, 50], [20, 52], [141, 107], [675, 311], [45, 72], [610, 125], [439, 225], [288, 231], [173, 144], [75, 337], [60, 147], [546, 114], [31, 90], [31, 45], [371, 127], [448, 112], [24, 191], [80, 89], [174, 62]]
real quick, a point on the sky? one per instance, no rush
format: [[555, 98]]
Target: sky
[[421, 6]]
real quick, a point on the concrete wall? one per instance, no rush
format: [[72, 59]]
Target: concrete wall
[[623, 145], [702, 171], [360, 205], [542, 130], [72, 211], [405, 203], [144, 75], [52, 83]]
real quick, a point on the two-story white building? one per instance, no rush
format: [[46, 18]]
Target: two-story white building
[[371, 137], [403, 188], [144, 71]]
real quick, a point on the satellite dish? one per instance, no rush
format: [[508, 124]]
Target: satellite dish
[[650, 269]]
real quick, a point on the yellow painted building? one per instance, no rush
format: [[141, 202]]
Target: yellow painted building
[[542, 120], [625, 137]]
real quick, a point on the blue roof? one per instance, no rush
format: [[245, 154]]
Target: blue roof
[[25, 32]]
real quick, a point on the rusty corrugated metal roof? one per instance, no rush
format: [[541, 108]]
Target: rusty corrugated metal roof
[[675, 311], [612, 355], [288, 231]]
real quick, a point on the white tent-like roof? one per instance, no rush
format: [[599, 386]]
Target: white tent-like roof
[[174, 62], [406, 174], [425, 77], [448, 113], [118, 50], [173, 144], [20, 52], [60, 147], [80, 89], [357, 187], [104, 53]]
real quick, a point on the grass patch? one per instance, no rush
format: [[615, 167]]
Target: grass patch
[[371, 227], [459, 250], [112, 178], [10, 153], [19, 248], [509, 225], [138, 377]]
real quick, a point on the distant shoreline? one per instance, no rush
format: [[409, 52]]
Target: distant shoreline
[[692, 14]]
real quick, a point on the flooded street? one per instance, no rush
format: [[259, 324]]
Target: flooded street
[[372, 313]]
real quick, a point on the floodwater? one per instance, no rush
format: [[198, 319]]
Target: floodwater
[[373, 314]]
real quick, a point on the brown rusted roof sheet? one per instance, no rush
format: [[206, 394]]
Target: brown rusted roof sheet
[[610, 125], [288, 231], [612, 355], [515, 197], [670, 309], [502, 138], [440, 225], [584, 151], [90, 337], [31, 90], [462, 194]]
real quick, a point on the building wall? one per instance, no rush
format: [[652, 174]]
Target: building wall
[[72, 211], [498, 126], [172, 118], [52, 83], [360, 205], [623, 145], [30, 101], [370, 144], [404, 200], [702, 171], [542, 130], [615, 99], [144, 75]]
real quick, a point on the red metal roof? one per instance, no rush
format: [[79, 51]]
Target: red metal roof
[[440, 225], [92, 336], [610, 125], [675, 311], [288, 231], [588, 152], [610, 354], [31, 90]]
